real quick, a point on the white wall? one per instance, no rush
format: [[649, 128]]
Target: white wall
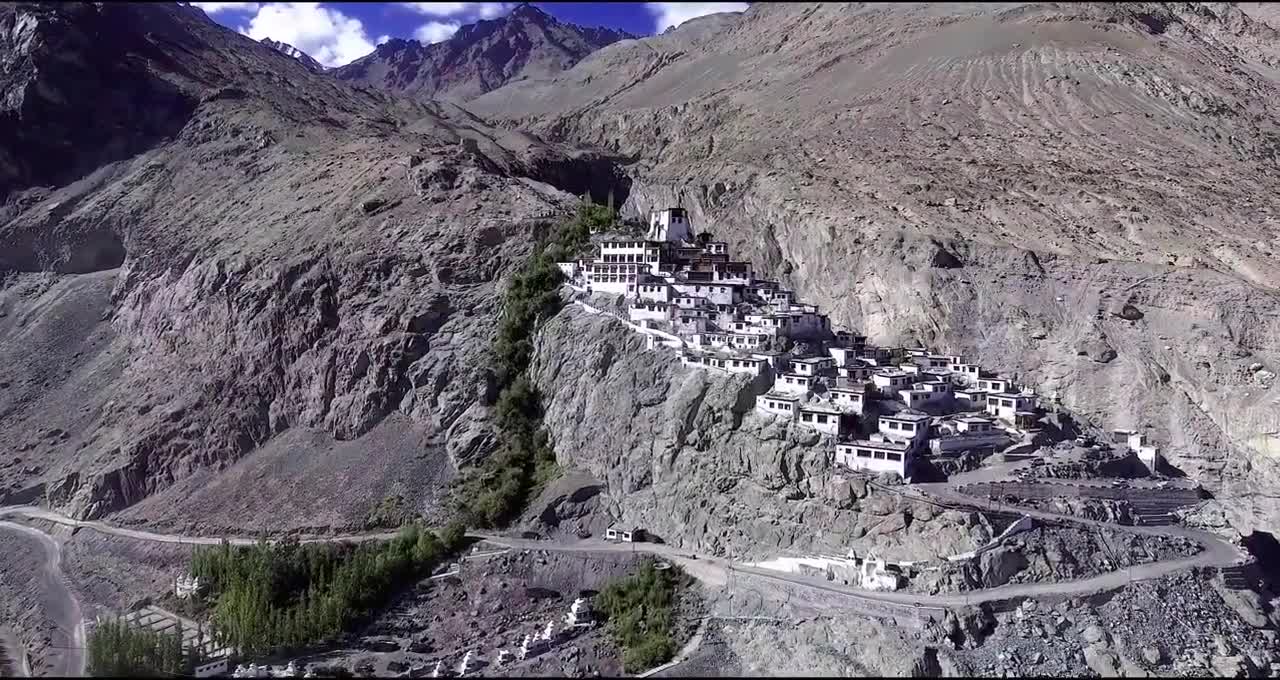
[[846, 456]]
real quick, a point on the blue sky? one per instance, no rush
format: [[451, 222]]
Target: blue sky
[[336, 33]]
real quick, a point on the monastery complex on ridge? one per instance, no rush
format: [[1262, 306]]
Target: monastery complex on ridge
[[885, 409]]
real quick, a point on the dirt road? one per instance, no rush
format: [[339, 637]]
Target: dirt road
[[66, 655]]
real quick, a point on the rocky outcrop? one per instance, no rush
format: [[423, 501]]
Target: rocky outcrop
[[681, 452]]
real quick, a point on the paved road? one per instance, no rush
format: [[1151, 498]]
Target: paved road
[[67, 657]]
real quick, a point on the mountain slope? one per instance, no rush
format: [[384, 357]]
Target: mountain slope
[[267, 262], [527, 43], [998, 179], [291, 51]]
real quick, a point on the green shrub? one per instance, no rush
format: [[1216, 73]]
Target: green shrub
[[525, 461], [640, 610]]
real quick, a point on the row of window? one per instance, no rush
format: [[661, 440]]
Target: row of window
[[819, 418], [905, 427], [628, 258], [877, 455], [780, 405]]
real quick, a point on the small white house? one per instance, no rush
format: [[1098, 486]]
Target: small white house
[[850, 399], [971, 399], [858, 371], [912, 427], [823, 417], [969, 372], [889, 381], [995, 384], [1006, 406], [793, 384], [631, 535], [813, 366], [915, 398], [875, 457], [778, 404]]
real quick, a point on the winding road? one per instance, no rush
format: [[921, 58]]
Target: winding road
[[1216, 552], [61, 607]]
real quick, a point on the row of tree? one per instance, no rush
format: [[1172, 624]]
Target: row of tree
[[496, 493], [291, 596], [117, 650]]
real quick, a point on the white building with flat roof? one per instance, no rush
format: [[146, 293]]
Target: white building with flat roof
[[778, 404], [813, 366], [822, 416], [890, 381], [851, 399], [792, 383], [1006, 406], [646, 253], [911, 427], [971, 399], [875, 457], [995, 384]]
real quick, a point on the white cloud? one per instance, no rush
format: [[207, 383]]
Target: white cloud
[[436, 31], [216, 7], [382, 39], [329, 36], [668, 14], [468, 10]]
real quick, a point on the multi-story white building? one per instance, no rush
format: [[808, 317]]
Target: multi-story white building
[[614, 279], [647, 253], [909, 427]]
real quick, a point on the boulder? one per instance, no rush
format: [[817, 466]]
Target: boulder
[[1094, 634], [1152, 655], [1102, 661], [1230, 666]]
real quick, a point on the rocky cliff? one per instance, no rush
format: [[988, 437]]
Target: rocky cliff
[[479, 57], [276, 263], [1080, 195], [681, 452]]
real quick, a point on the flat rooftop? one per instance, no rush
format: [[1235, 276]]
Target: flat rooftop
[[907, 417], [883, 446]]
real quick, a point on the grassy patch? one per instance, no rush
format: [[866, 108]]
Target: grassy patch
[[641, 611], [496, 492]]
